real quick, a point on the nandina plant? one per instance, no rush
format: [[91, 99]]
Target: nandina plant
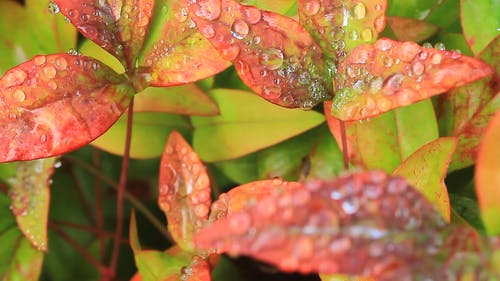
[[364, 197]]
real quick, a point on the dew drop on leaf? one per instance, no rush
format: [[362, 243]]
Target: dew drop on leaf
[[311, 7], [239, 29], [436, 58], [359, 11], [209, 9], [393, 83], [418, 68], [39, 60], [230, 52], [252, 15], [272, 58], [19, 95], [367, 34], [53, 8], [207, 31], [440, 46]]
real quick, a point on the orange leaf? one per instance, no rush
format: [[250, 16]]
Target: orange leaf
[[57, 103], [273, 54], [184, 190], [389, 74]]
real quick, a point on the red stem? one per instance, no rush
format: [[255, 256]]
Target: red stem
[[99, 216], [121, 189], [87, 228], [345, 151]]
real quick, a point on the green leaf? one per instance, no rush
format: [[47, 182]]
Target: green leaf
[[247, 123], [454, 41], [30, 197], [240, 170], [325, 159], [149, 131], [386, 140], [426, 169], [487, 177], [277, 6], [91, 49], [479, 33]]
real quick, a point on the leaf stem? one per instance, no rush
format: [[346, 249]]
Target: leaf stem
[[99, 215], [121, 189], [345, 151]]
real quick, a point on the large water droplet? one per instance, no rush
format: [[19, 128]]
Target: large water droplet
[[207, 31], [252, 15], [379, 23], [272, 58], [393, 83], [61, 63], [311, 7], [19, 95], [418, 68], [383, 44], [53, 8], [15, 77], [49, 72], [39, 60], [440, 46], [208, 9], [239, 29], [359, 11], [408, 51]]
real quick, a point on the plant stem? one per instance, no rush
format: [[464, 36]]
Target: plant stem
[[345, 151], [121, 189], [99, 215], [89, 229]]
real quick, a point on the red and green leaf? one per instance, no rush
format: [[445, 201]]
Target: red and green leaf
[[184, 190], [389, 74], [56, 103], [408, 29], [480, 33], [30, 196], [175, 51], [274, 55], [341, 226], [426, 169], [487, 177]]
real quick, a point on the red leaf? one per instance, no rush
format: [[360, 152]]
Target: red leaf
[[56, 103], [274, 55], [248, 194], [198, 270], [365, 223], [176, 52], [389, 74], [184, 190], [118, 26]]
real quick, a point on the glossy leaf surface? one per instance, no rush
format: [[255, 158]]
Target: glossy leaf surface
[[150, 129], [274, 55], [56, 103], [479, 33], [386, 140], [224, 137], [20, 260], [341, 26], [277, 6], [390, 74], [30, 197], [341, 226], [487, 177], [117, 26], [426, 169], [184, 190], [408, 29], [175, 51]]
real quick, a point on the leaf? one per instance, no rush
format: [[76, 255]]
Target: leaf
[[386, 140], [273, 54], [240, 170], [184, 190], [408, 29], [117, 26], [30, 197], [326, 159], [439, 12], [20, 260], [426, 169], [175, 52], [487, 178], [8, 47], [390, 74], [223, 137], [341, 226], [149, 131], [277, 6], [85, 96], [342, 26], [455, 41], [489, 13]]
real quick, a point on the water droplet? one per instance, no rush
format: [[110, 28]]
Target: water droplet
[[350, 205], [201, 210], [376, 83], [61, 63], [49, 72], [408, 51], [362, 55], [15, 77], [271, 92], [43, 138], [378, 7], [84, 18], [359, 11], [164, 205], [417, 68], [239, 223], [379, 23], [239, 29], [383, 44], [207, 31], [338, 33], [367, 34], [436, 58], [230, 52], [277, 181], [311, 7], [440, 46], [72, 13], [39, 60], [272, 58], [353, 71], [427, 45], [58, 164], [19, 95], [208, 9], [252, 15], [72, 52], [354, 35], [53, 8], [393, 83]]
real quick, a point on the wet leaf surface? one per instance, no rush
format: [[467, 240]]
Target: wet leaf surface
[[341, 226], [30, 195], [389, 74], [274, 55], [426, 169], [487, 177], [56, 103], [245, 116], [175, 51], [184, 190], [479, 33]]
